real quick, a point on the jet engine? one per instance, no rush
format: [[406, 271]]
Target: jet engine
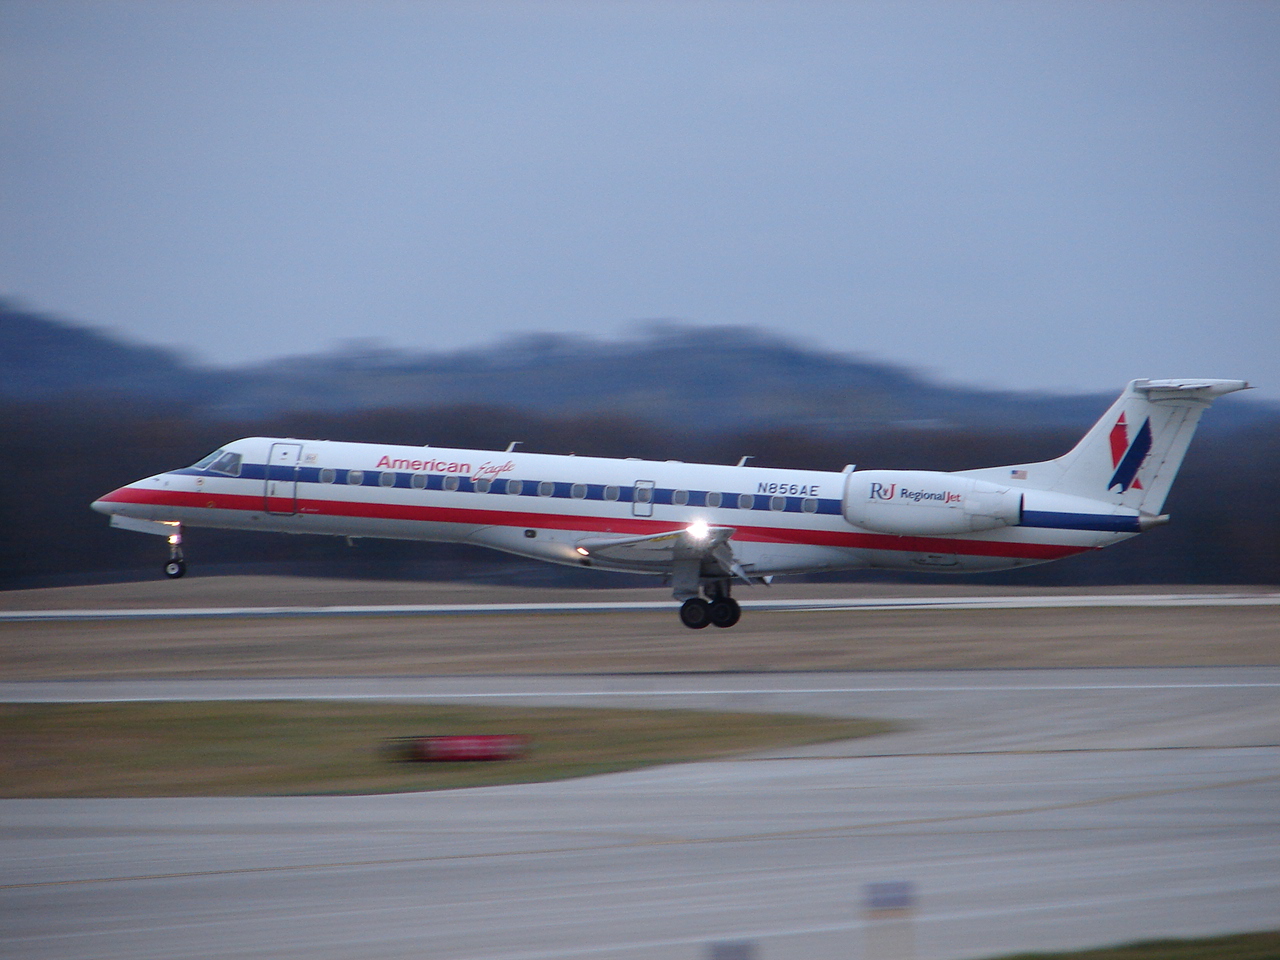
[[927, 503]]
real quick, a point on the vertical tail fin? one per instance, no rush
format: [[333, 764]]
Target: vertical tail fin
[[1130, 457]]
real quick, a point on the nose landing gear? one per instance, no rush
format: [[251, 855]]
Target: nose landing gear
[[177, 565]]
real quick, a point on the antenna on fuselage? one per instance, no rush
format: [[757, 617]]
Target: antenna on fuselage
[[513, 444], [743, 461]]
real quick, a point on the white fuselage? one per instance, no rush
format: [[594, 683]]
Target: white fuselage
[[545, 506]]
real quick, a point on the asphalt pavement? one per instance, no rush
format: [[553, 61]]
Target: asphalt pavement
[[1026, 809]]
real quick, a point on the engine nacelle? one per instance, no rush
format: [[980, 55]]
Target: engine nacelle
[[927, 503]]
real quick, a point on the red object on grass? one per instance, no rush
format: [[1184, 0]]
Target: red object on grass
[[461, 748]]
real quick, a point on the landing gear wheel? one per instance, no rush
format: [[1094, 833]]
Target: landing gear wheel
[[725, 612], [695, 613], [175, 568]]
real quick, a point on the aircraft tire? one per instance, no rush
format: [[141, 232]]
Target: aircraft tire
[[725, 612], [174, 569], [695, 613]]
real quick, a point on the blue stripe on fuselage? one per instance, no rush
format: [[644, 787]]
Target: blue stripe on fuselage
[[1080, 521], [529, 488]]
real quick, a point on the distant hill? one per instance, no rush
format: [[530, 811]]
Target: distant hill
[[42, 358], [713, 378], [706, 379]]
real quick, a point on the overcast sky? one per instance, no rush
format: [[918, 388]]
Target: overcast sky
[[1056, 195]]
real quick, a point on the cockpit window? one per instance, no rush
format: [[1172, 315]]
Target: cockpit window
[[204, 464], [228, 463], [221, 461]]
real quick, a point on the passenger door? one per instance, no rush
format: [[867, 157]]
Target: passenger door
[[280, 488]]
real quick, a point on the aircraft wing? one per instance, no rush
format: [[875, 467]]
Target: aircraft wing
[[695, 542]]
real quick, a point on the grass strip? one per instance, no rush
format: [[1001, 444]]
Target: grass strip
[[1242, 946], [319, 747]]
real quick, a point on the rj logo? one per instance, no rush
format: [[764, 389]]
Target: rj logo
[[883, 491]]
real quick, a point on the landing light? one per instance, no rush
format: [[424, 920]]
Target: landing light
[[584, 551], [698, 530]]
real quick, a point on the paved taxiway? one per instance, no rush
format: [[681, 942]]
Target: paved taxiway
[[1032, 808]]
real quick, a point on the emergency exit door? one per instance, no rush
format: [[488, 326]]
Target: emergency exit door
[[642, 498], [280, 489]]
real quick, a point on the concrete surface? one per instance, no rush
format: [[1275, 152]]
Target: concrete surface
[[1032, 809]]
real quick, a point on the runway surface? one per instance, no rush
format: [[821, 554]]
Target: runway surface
[[1032, 809], [1015, 602]]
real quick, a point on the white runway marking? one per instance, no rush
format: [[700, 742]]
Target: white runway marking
[[156, 691], [866, 604]]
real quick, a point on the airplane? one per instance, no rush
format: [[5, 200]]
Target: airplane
[[703, 527]]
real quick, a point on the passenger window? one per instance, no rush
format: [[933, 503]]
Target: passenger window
[[746, 501], [777, 503], [451, 483], [713, 498], [611, 492], [644, 494], [680, 497], [328, 475], [419, 481], [515, 487], [546, 488], [355, 477], [388, 479], [810, 505], [482, 486], [578, 491]]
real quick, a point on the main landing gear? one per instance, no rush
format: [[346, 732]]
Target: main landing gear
[[177, 565], [720, 610], [696, 613]]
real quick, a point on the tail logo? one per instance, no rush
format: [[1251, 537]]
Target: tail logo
[[1127, 457]]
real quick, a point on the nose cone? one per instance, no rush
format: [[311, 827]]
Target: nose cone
[[127, 500], [110, 504], [159, 498]]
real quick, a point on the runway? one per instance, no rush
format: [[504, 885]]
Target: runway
[[1014, 602], [1032, 809]]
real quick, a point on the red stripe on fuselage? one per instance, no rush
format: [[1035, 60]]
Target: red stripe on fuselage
[[622, 525]]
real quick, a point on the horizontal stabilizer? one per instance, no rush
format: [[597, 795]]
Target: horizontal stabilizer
[[1203, 389]]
